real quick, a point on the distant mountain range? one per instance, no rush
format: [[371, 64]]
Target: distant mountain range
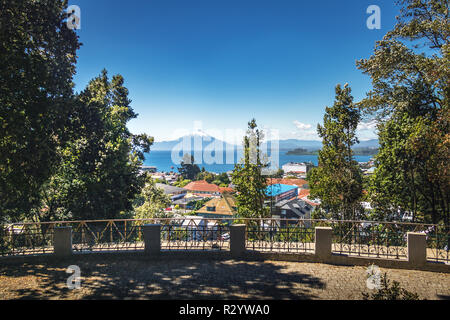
[[311, 145], [201, 141]]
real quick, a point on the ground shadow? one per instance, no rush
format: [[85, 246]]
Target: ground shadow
[[163, 279]]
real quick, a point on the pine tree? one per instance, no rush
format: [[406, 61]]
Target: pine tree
[[188, 168], [338, 179], [248, 178]]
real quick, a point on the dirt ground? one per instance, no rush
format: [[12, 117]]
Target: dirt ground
[[206, 279]]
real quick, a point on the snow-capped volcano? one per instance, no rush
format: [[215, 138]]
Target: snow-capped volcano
[[200, 133], [198, 140]]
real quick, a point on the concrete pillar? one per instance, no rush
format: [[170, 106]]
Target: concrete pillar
[[152, 238], [62, 241], [237, 239], [417, 248], [323, 243]]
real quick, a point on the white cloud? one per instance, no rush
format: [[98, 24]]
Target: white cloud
[[302, 126], [364, 126], [301, 135], [304, 131], [308, 135], [367, 130]]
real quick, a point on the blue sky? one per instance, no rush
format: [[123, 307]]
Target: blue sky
[[225, 62]]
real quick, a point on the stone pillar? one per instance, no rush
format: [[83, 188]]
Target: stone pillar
[[237, 239], [152, 238], [62, 241], [323, 243], [417, 248]]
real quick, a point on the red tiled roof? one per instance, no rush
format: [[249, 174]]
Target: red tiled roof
[[303, 193], [290, 182], [311, 203], [205, 195], [202, 186], [226, 189]]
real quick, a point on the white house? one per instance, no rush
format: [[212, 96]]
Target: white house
[[299, 168]]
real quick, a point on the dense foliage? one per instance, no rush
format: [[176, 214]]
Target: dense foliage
[[37, 63], [62, 155], [152, 201], [410, 97], [98, 174]]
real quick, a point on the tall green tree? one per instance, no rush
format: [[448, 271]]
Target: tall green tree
[[182, 183], [98, 175], [410, 97], [188, 168], [37, 63], [247, 177], [223, 179], [205, 175], [337, 181], [153, 201]]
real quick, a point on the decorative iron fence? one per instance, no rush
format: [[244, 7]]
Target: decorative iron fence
[[280, 235], [111, 235], [355, 238], [195, 234], [387, 239], [116, 235], [26, 238]]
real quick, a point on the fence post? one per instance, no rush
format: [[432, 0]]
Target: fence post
[[323, 243], [417, 248], [237, 239], [62, 241], [152, 238]]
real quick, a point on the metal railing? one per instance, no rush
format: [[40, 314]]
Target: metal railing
[[387, 239], [280, 235], [111, 235], [116, 235], [354, 238], [195, 234], [26, 238]]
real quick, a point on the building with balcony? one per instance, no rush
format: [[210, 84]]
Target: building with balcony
[[278, 192]]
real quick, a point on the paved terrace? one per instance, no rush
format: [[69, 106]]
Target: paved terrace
[[110, 277]]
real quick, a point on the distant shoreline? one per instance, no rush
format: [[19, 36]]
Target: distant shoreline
[[163, 162], [356, 152]]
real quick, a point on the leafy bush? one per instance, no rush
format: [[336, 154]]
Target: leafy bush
[[390, 292]]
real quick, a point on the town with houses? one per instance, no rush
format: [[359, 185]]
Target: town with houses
[[288, 197], [322, 172]]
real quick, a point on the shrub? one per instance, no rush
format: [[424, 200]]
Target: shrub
[[390, 292]]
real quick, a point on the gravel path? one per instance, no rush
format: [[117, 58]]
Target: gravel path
[[206, 279]]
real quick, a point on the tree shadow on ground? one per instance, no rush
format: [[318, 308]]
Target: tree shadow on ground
[[163, 279]]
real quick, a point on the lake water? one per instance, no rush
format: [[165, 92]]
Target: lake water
[[162, 160]]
